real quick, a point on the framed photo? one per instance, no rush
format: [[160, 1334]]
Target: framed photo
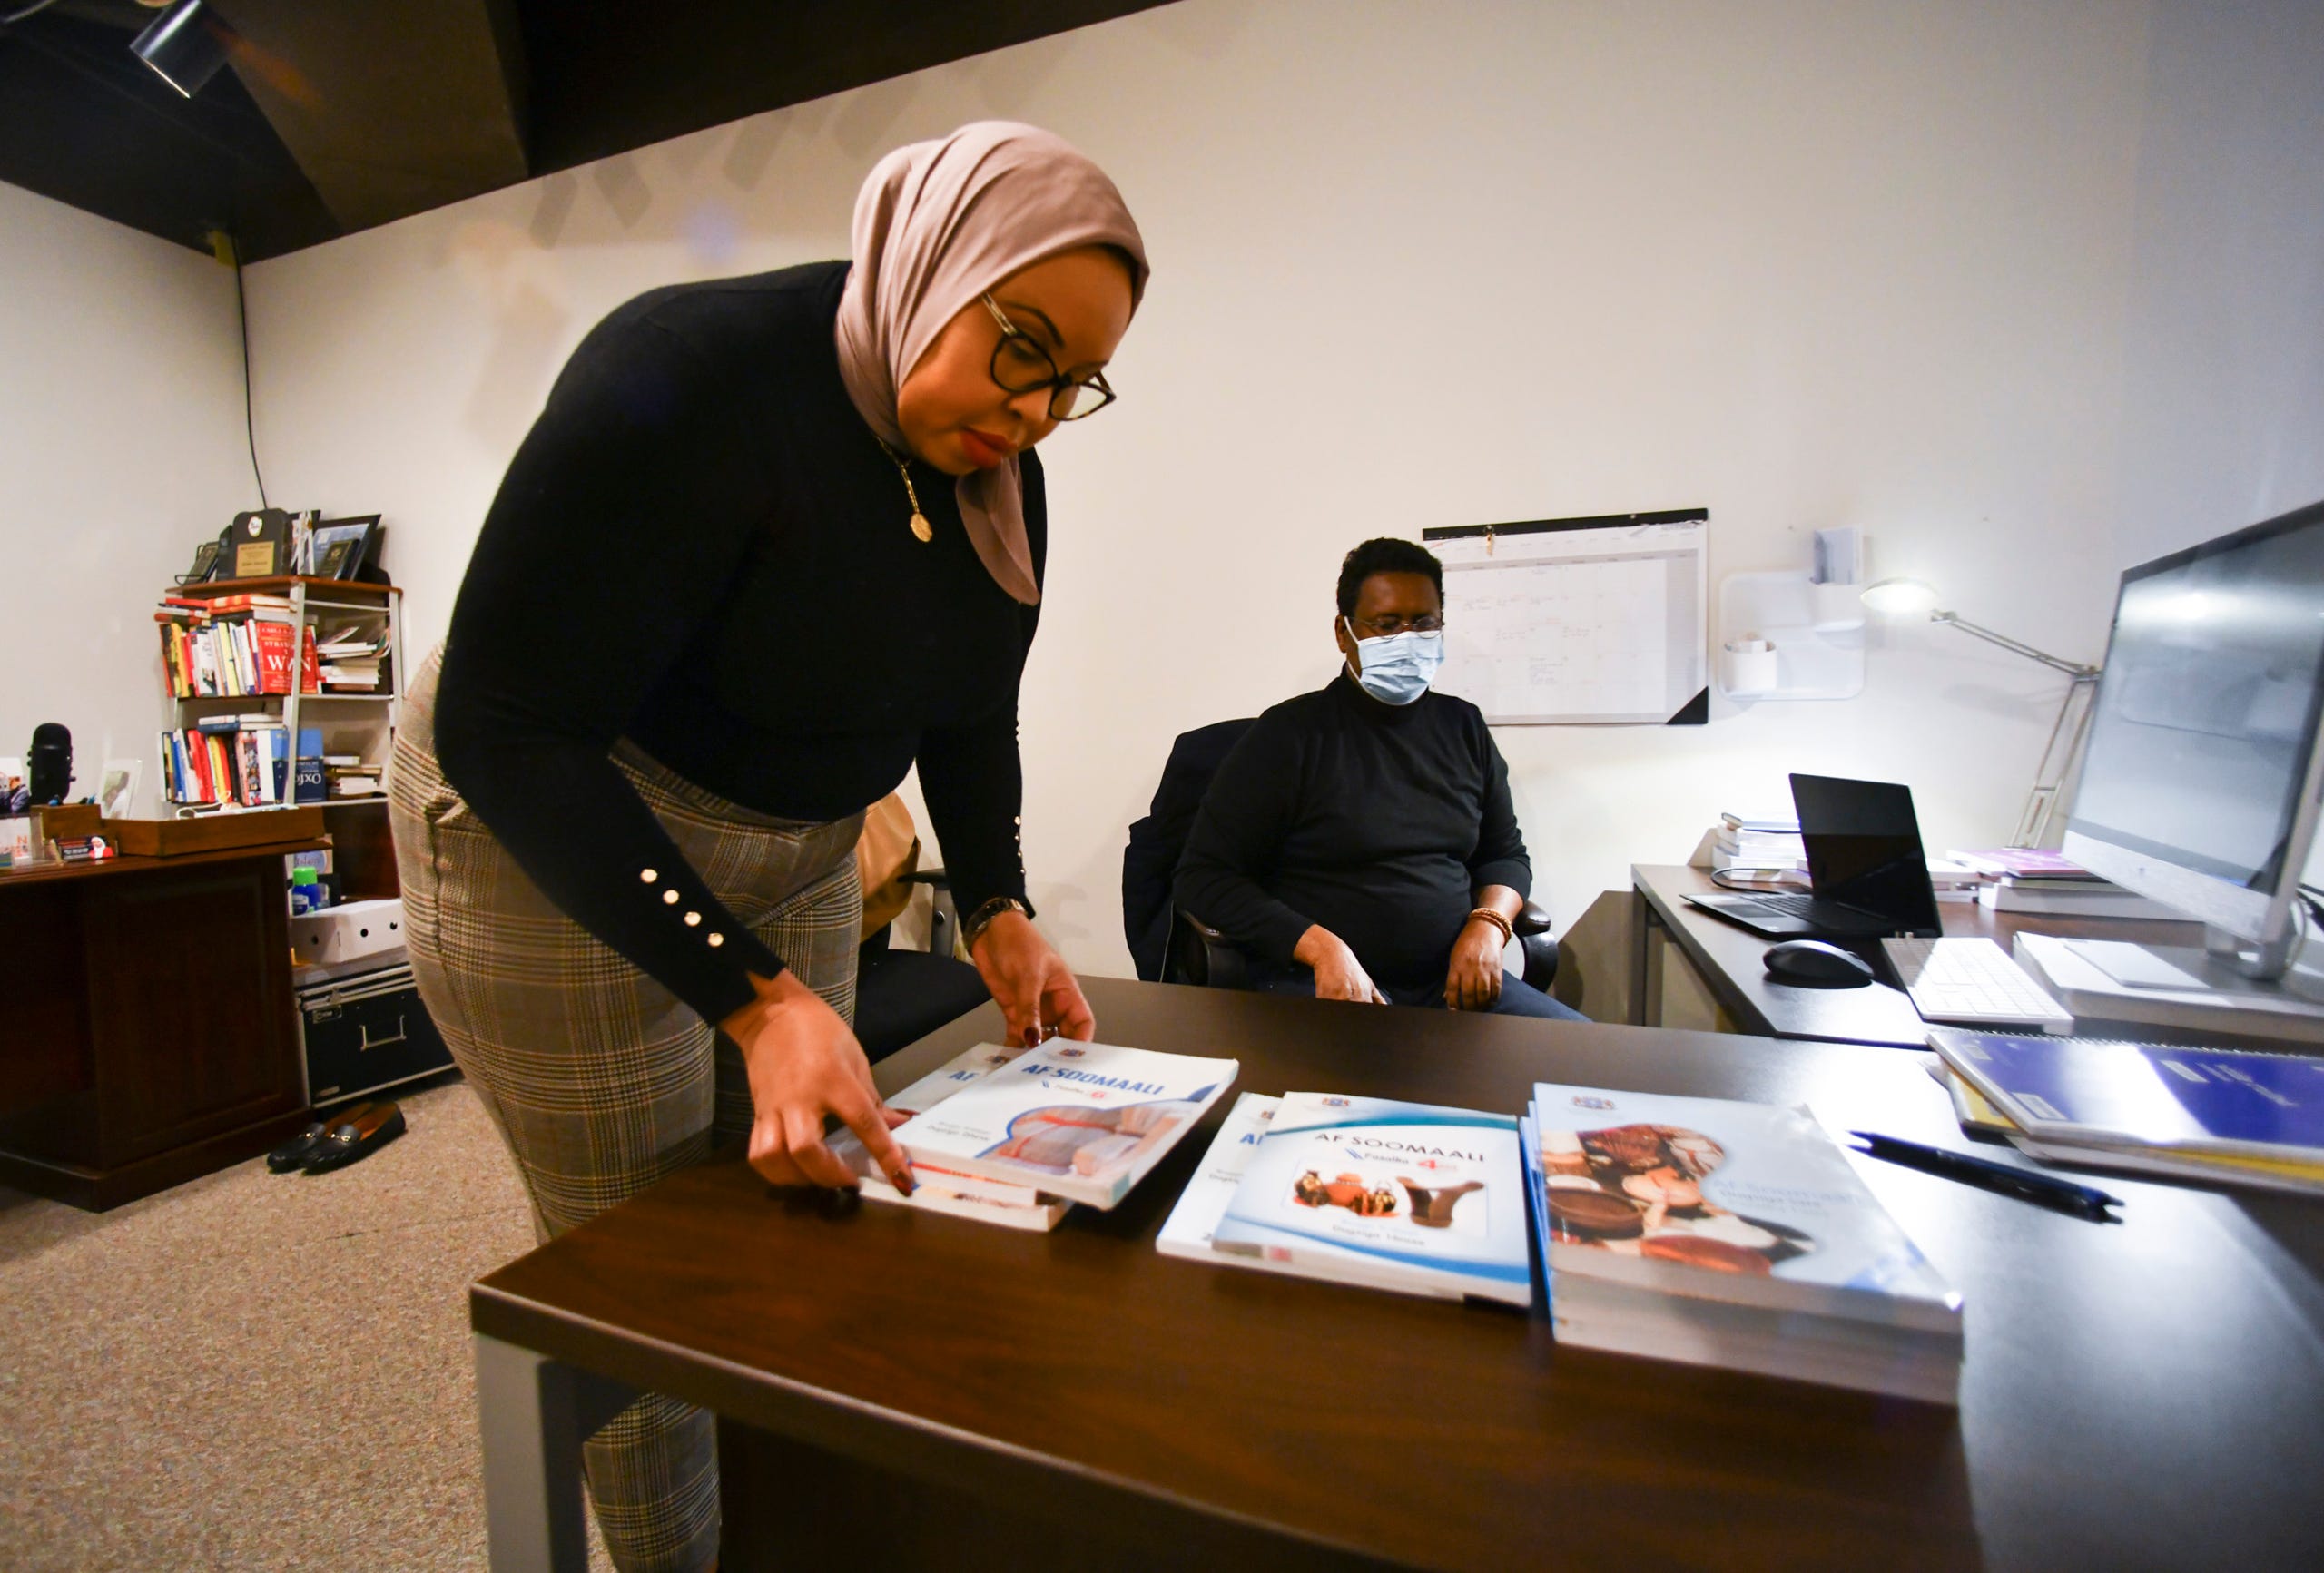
[[343, 545], [119, 790], [205, 564]]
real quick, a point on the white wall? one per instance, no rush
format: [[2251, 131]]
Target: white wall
[[121, 447], [1876, 263], [2223, 424]]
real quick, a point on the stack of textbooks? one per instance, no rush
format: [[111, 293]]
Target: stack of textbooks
[[1757, 844], [1016, 1137], [1411, 1197], [1734, 1235], [353, 662], [2224, 1115]]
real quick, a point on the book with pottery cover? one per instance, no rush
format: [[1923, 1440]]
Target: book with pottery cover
[[1081, 1121], [1393, 1194], [1751, 1204], [1723, 1234]]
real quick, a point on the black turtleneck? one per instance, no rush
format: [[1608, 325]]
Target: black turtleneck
[[1379, 821], [702, 547]]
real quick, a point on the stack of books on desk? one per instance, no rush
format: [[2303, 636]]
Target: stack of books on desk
[[1724, 1233], [1755, 843], [1016, 1137], [2228, 1116], [1414, 1198]]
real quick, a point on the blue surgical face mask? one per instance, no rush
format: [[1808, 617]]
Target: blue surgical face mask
[[1398, 669]]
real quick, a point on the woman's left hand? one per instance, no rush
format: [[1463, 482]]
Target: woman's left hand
[[1030, 982], [1474, 980]]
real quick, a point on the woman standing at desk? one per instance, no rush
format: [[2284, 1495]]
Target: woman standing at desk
[[771, 540]]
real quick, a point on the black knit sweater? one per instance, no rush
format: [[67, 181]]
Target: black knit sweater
[[1378, 821], [701, 546]]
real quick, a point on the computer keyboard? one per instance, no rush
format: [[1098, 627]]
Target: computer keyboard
[[1972, 981], [1785, 906]]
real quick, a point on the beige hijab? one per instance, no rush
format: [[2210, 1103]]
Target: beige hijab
[[937, 224]]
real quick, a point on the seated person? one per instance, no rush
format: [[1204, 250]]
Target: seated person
[[1359, 841]]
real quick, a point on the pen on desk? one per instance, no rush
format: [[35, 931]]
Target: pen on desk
[[2083, 1200]]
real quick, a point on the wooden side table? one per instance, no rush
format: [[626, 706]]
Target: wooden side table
[[150, 1032]]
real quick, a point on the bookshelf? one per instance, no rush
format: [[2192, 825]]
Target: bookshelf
[[349, 720]]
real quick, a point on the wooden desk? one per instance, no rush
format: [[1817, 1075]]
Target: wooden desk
[[1730, 961], [2144, 1394], [150, 1034]]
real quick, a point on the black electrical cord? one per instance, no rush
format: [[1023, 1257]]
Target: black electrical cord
[[33, 10], [242, 316]]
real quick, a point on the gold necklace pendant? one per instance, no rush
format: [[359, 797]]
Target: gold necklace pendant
[[922, 530]]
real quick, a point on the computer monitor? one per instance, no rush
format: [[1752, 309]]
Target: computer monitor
[[2200, 786]]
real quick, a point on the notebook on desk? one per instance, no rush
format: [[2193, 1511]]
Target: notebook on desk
[[1865, 868]]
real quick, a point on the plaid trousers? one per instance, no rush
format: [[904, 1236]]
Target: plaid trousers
[[603, 1082]]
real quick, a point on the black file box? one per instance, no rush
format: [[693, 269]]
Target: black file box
[[365, 1031]]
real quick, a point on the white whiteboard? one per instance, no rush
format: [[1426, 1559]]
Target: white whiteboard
[[1565, 621]]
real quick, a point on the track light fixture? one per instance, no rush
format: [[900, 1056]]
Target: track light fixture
[[184, 47]]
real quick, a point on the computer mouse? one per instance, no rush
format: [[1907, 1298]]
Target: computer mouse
[[1818, 964]]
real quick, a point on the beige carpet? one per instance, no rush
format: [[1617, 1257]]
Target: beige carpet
[[256, 1370]]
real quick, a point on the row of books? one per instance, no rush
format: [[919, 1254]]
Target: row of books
[[243, 761], [1690, 1229], [245, 645]]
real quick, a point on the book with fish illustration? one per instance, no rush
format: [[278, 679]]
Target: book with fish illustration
[[1080, 1121], [1391, 1194]]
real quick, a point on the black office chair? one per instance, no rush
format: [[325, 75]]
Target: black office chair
[[1170, 945], [901, 995], [1150, 862]]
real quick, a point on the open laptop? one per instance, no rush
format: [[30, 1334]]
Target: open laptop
[[1865, 864]]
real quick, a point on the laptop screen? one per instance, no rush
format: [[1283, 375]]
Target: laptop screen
[[1864, 848]]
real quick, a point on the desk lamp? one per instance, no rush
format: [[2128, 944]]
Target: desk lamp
[[1912, 598]]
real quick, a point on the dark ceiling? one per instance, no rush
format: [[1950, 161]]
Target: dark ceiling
[[336, 115]]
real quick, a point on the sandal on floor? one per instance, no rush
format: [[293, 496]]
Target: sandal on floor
[[301, 1149], [359, 1136]]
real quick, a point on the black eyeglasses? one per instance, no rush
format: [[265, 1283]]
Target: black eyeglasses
[[1021, 364], [1388, 628]]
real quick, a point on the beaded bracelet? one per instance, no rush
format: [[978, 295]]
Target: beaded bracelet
[[1508, 932]]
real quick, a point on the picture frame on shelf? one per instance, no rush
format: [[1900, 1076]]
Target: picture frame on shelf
[[342, 546], [205, 564], [119, 792]]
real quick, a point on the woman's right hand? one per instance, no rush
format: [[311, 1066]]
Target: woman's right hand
[[804, 1063], [1338, 974]]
